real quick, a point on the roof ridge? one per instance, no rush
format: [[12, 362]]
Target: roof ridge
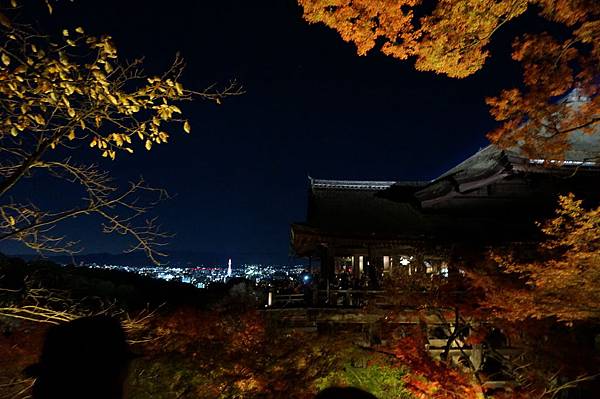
[[352, 184]]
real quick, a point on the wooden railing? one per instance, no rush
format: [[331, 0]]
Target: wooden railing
[[285, 300], [344, 298]]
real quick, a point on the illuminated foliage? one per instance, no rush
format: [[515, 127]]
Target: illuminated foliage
[[559, 94], [224, 353], [560, 279], [382, 380], [429, 378], [72, 98]]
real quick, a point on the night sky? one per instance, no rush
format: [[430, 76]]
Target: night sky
[[312, 107]]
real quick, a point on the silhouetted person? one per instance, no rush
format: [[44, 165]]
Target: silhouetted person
[[344, 393], [372, 274], [85, 358], [344, 280]]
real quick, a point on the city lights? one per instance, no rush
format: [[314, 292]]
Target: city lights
[[201, 275]]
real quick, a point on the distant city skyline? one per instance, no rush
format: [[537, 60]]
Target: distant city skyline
[[178, 258]]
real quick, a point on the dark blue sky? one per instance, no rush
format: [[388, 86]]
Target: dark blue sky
[[312, 107]]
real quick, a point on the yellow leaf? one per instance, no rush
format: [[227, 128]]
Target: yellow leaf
[[148, 145], [5, 59], [5, 21], [186, 127]]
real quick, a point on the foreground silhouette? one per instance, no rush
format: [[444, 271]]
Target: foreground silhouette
[[344, 393], [85, 358]]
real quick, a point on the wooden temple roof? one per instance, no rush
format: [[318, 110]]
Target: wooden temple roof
[[494, 195]]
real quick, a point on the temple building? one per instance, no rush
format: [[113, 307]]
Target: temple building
[[492, 198]]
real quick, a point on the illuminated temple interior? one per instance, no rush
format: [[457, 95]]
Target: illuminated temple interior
[[493, 197]]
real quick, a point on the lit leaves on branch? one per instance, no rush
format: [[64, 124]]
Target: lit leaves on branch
[[47, 90], [559, 279], [451, 40], [560, 93]]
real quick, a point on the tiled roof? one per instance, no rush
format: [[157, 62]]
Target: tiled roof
[[494, 193]]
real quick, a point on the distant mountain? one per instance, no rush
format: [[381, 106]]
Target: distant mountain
[[175, 258]]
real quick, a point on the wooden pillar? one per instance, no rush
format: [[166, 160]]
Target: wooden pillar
[[476, 356], [329, 272], [323, 256], [371, 270], [356, 266], [387, 260], [419, 263]]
